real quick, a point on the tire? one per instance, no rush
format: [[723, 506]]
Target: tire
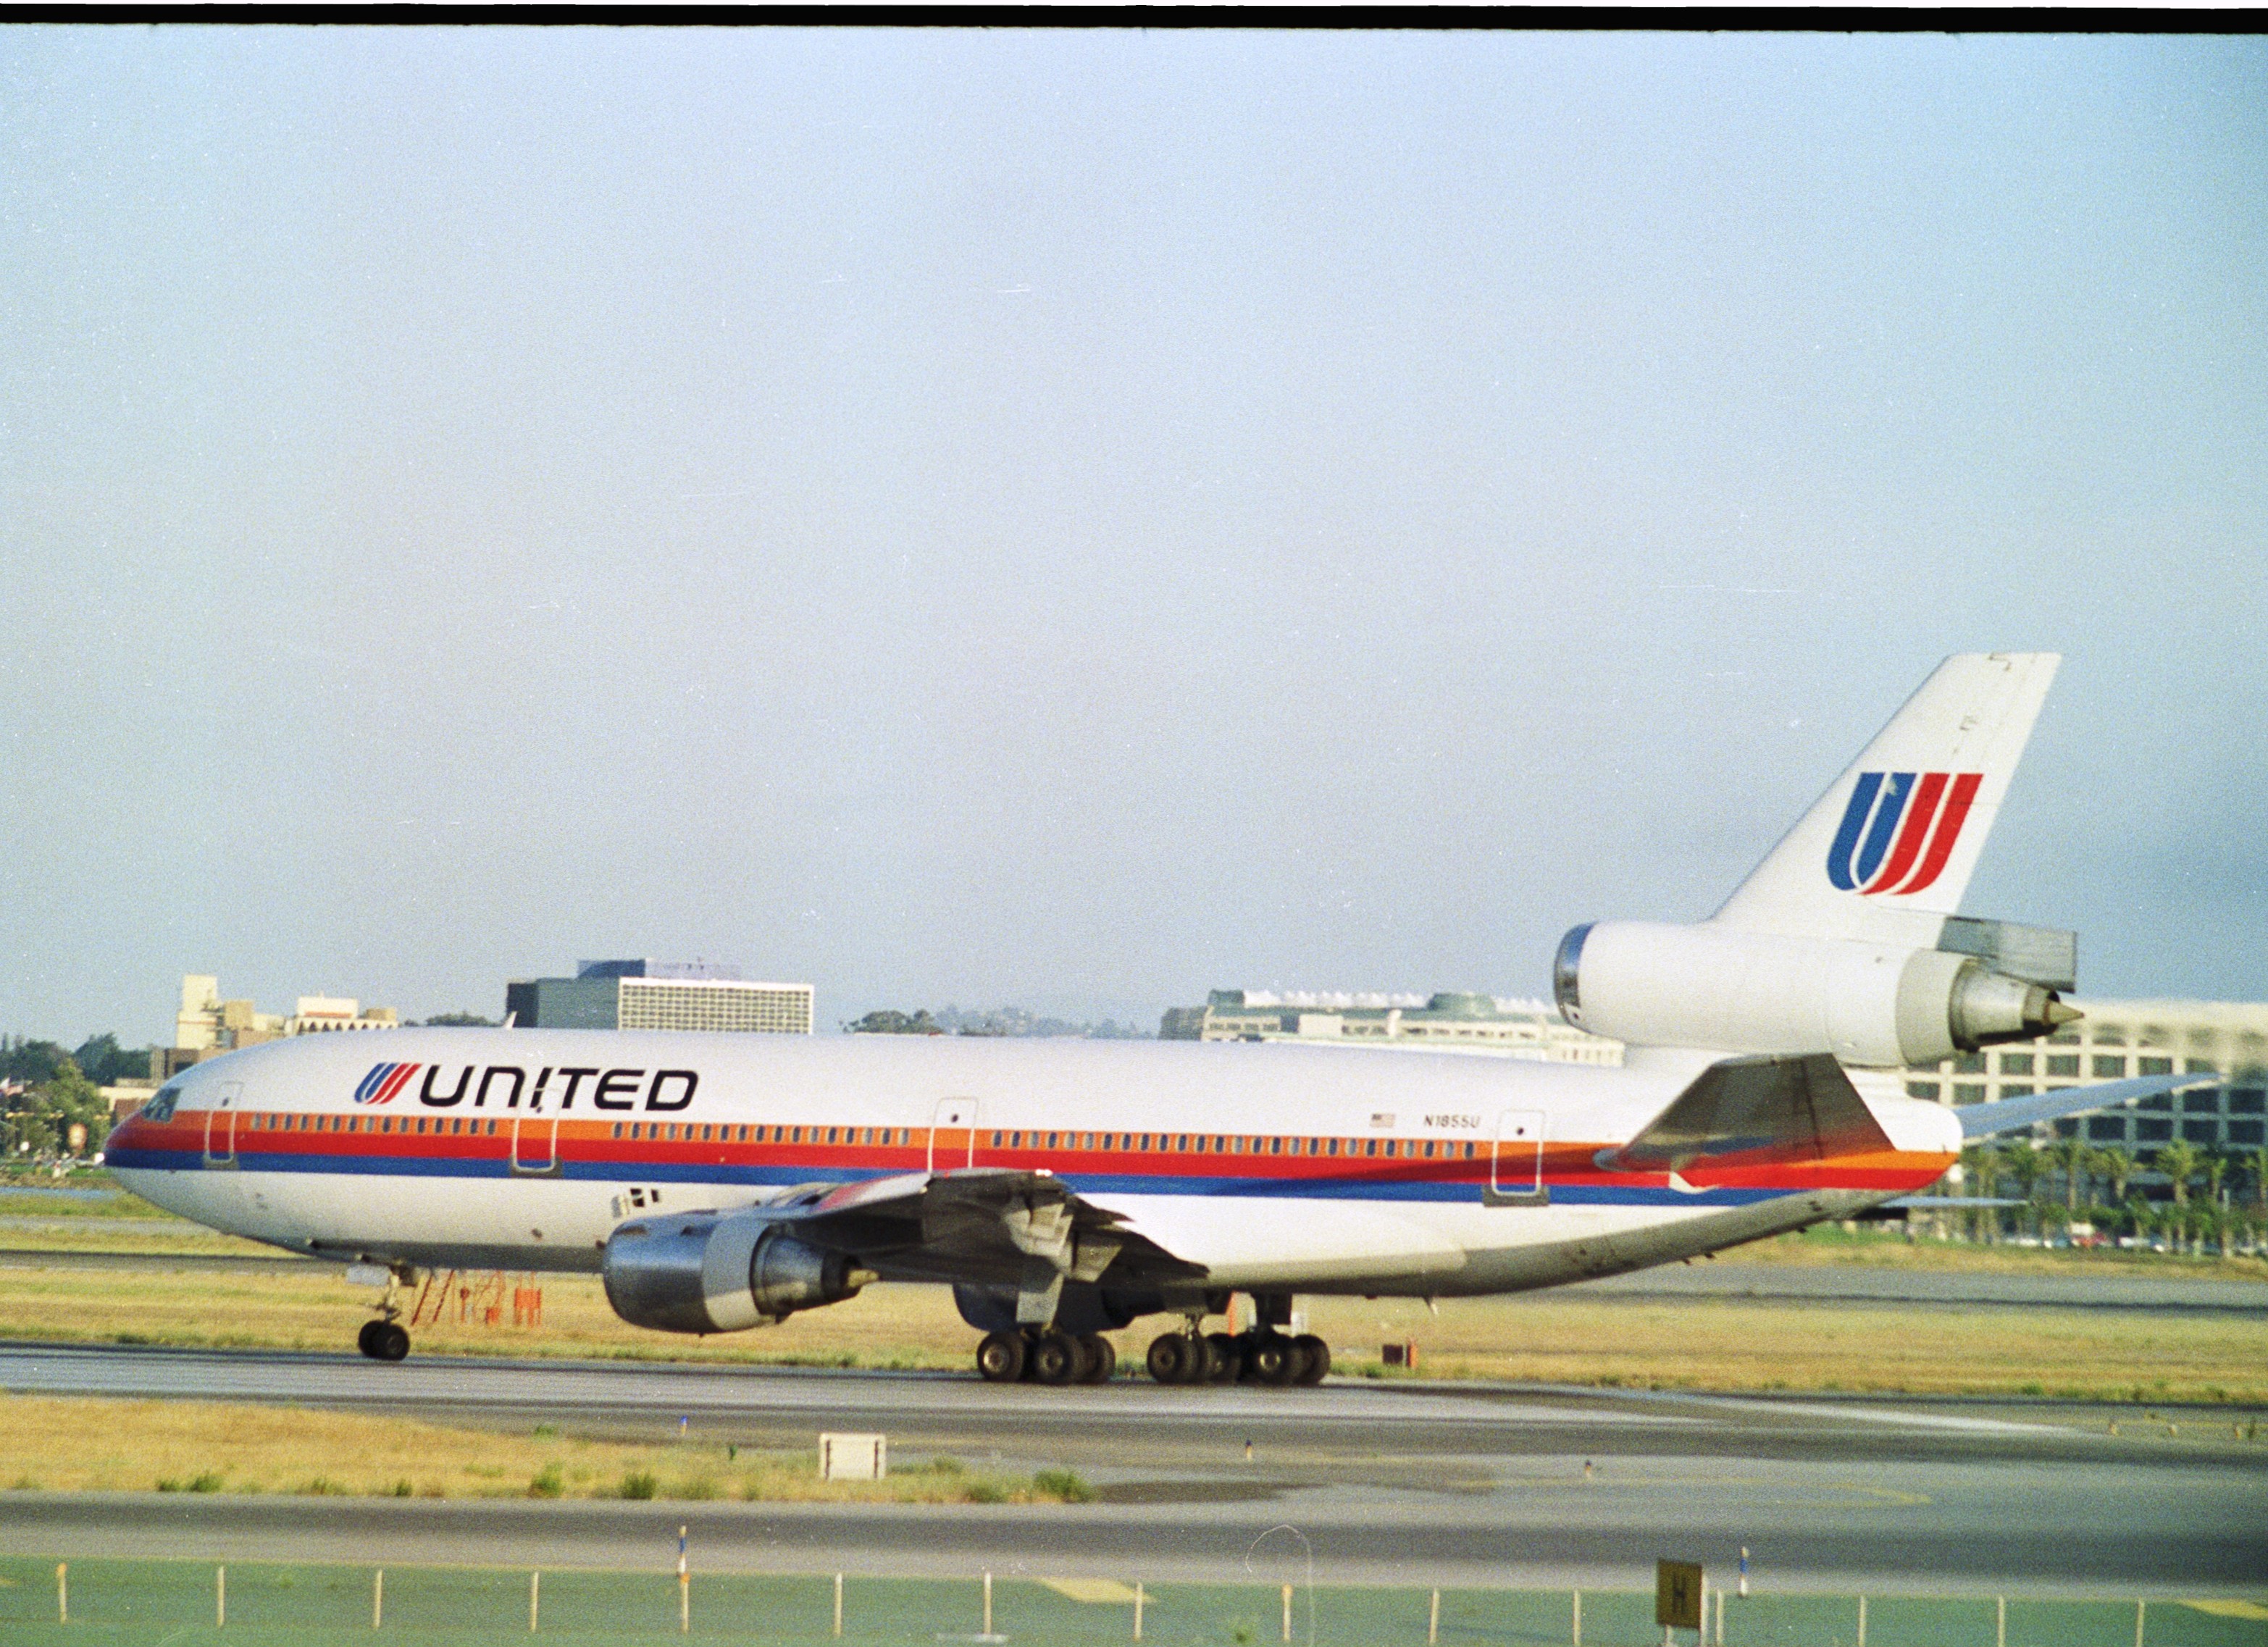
[[1271, 1360], [365, 1340], [1319, 1359], [1224, 1360], [1000, 1357], [1056, 1358], [1101, 1359], [389, 1341], [1168, 1357]]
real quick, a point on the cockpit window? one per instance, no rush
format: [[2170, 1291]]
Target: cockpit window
[[161, 1107]]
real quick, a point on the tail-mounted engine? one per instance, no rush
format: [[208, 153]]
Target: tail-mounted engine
[[1736, 990], [709, 1272]]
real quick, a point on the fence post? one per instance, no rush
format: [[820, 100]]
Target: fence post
[[1577, 1637], [1287, 1612], [2141, 1611], [1433, 1622], [220, 1596], [534, 1582], [63, 1593], [1999, 1621], [1138, 1610], [377, 1598], [1720, 1618], [988, 1604], [838, 1604], [1862, 1621]]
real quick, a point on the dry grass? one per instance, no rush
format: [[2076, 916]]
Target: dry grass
[[1727, 1344], [84, 1444]]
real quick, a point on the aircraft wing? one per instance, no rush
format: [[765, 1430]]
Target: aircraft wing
[[980, 1224], [2013, 1114]]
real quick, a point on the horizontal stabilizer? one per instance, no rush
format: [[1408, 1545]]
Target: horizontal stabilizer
[[2013, 1115], [1754, 1112]]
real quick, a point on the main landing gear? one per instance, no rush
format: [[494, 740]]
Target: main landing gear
[[1046, 1357], [1261, 1357]]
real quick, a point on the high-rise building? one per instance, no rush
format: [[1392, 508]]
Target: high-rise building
[[660, 995]]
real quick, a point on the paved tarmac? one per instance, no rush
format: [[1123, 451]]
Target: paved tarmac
[[1453, 1485]]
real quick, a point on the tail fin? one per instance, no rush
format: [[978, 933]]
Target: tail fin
[[1899, 835]]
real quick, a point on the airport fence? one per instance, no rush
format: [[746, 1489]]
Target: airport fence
[[185, 1604]]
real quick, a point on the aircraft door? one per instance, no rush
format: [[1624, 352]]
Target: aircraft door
[[535, 1145], [220, 1126], [952, 1135], [1516, 1165]]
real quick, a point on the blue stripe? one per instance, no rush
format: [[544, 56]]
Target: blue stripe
[[1886, 826], [1846, 837], [370, 1081], [1091, 1184]]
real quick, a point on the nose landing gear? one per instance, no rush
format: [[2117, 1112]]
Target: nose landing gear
[[383, 1341], [385, 1338]]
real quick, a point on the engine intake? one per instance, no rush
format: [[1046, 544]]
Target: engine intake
[[1736, 990], [709, 1272]]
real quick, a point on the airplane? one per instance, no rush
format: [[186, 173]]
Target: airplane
[[1066, 1188]]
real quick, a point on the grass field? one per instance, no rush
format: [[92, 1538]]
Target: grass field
[[1554, 1337], [1724, 1344], [211, 1447], [173, 1602]]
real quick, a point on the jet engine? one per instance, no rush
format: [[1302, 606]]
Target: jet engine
[[710, 1272], [1734, 989]]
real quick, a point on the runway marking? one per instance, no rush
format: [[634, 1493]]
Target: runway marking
[[1889, 1493], [2230, 1609], [1107, 1589]]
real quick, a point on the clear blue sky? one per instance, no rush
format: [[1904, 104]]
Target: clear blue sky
[[1079, 519]]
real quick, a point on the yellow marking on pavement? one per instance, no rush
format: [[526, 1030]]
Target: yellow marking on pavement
[[2230, 1609], [1096, 1589], [1888, 1494]]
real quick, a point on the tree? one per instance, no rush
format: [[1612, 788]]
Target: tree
[[459, 1021], [2117, 1163], [105, 1062], [2179, 1161], [1981, 1163], [886, 1022], [2073, 1155], [2027, 1166]]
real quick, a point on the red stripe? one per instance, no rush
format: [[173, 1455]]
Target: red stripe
[[395, 1083], [1919, 814], [1948, 831]]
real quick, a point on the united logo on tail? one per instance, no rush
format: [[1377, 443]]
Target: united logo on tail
[[1899, 829], [383, 1082]]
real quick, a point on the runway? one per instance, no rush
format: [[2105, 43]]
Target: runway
[[1456, 1485]]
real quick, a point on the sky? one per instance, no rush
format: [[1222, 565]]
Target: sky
[[1078, 519]]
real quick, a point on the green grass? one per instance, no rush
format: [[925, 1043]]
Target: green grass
[[131, 1603]]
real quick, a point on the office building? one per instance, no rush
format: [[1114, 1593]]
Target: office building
[[1532, 1030], [207, 1025], [2120, 1040], [660, 995]]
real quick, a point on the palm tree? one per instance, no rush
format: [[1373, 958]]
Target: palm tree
[[2180, 1161], [1982, 1164], [2117, 1163], [2027, 1166], [2072, 1154]]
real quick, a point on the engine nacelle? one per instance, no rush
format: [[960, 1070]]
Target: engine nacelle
[[709, 1272], [1734, 991]]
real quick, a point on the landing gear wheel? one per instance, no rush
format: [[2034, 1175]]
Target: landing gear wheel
[[1318, 1362], [1000, 1357], [1101, 1359], [1271, 1360], [1056, 1358], [1170, 1356], [1225, 1358], [383, 1341], [363, 1340]]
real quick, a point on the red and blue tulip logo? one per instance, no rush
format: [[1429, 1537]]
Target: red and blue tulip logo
[[384, 1081], [1899, 829]]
